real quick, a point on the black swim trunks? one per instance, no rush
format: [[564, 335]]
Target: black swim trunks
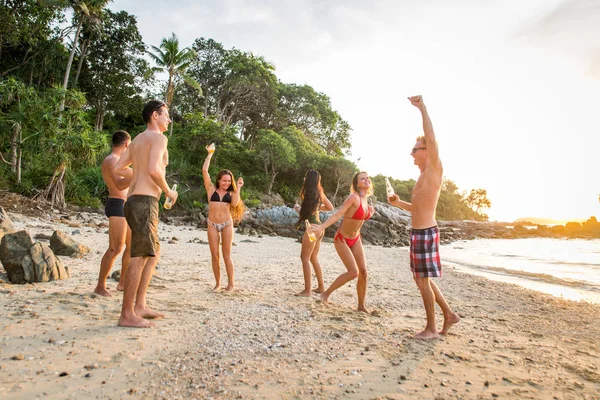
[[114, 207]]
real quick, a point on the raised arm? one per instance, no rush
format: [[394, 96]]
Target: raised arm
[[395, 201], [433, 156], [325, 203], [235, 199], [208, 185]]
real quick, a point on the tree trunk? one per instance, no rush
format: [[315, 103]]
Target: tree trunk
[[14, 145], [55, 191], [169, 92], [99, 123], [84, 48], [20, 157], [69, 64]]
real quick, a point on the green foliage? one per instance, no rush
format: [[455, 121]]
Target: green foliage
[[86, 187], [275, 153], [267, 131], [311, 112], [452, 205], [402, 188], [115, 70], [175, 62]]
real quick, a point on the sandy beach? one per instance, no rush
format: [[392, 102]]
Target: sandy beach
[[59, 340]]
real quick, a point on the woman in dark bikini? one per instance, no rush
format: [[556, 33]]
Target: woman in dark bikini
[[224, 206], [347, 241], [313, 201]]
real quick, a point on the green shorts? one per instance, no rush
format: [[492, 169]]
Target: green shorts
[[141, 213]]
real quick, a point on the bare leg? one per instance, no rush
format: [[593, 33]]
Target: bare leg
[[450, 317], [141, 307], [314, 259], [132, 282], [305, 257], [125, 260], [213, 242], [428, 296], [117, 228], [361, 285], [348, 259], [227, 242]]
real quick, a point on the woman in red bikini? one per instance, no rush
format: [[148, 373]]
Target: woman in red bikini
[[348, 244], [224, 207]]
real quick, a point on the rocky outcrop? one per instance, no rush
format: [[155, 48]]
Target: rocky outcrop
[[63, 245], [6, 225], [13, 249], [28, 262], [387, 227]]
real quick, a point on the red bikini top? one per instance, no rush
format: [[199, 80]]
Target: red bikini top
[[361, 214]]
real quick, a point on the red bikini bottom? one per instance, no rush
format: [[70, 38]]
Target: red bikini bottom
[[349, 242]]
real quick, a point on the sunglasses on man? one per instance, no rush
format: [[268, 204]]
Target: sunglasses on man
[[414, 150]]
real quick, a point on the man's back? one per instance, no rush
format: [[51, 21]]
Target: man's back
[[140, 151], [109, 176]]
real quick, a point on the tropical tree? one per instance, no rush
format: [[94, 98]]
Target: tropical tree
[[89, 11], [115, 69], [311, 112], [276, 154], [477, 199], [169, 58], [248, 96]]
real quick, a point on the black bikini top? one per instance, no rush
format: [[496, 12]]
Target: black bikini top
[[215, 197]]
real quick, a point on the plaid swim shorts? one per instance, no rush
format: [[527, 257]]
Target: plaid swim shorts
[[425, 253]]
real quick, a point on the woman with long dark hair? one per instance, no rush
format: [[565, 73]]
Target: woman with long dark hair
[[347, 241], [224, 207], [313, 201]]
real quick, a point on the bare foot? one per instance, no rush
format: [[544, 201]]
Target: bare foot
[[216, 288], [102, 291], [363, 309], [303, 293], [147, 313], [135, 322], [324, 299], [426, 335], [448, 322], [230, 288], [319, 290], [121, 287]]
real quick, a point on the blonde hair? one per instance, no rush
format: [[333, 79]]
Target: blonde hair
[[422, 139], [354, 187]]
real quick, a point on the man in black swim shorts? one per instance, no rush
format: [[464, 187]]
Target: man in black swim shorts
[[119, 235]]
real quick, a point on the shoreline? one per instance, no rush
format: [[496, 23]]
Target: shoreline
[[263, 342]]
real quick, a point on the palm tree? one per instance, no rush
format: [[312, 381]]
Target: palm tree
[[175, 62]]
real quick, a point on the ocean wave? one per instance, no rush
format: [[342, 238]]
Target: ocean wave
[[541, 277]]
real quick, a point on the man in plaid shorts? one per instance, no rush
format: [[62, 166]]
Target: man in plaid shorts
[[424, 237]]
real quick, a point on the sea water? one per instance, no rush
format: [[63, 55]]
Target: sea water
[[567, 268]]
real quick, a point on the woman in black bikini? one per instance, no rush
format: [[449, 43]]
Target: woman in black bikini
[[347, 241], [313, 201], [224, 206]]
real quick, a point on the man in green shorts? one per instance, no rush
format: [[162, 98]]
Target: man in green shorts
[[148, 156]]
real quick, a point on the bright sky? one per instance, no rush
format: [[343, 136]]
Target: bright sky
[[512, 86]]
